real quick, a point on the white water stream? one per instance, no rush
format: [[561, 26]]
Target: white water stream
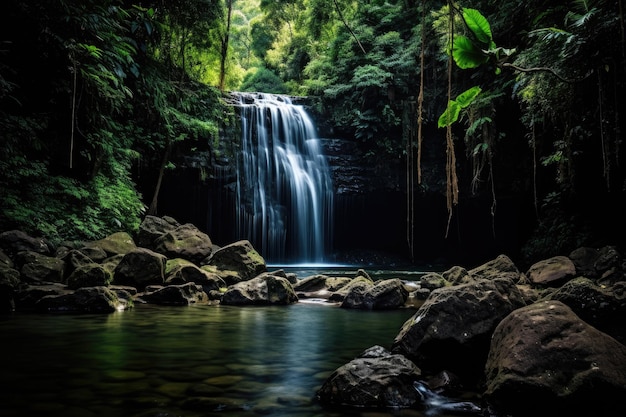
[[284, 187]]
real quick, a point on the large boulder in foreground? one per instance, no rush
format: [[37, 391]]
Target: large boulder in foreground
[[377, 379], [266, 289], [453, 327], [545, 360]]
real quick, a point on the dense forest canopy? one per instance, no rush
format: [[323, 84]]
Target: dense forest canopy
[[96, 93]]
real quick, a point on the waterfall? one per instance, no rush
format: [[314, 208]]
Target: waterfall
[[284, 192]]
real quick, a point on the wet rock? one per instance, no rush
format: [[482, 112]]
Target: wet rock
[[500, 267], [14, 241], [266, 289], [152, 228], [432, 281], [383, 295], [119, 243], [545, 359], [186, 242], [604, 307], [453, 327], [74, 259], [457, 275], [140, 268], [184, 294], [319, 286], [28, 296], [553, 271], [83, 300], [237, 262], [357, 285], [35, 267], [90, 275], [181, 271], [377, 379]]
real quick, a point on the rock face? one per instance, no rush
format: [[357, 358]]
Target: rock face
[[545, 358]]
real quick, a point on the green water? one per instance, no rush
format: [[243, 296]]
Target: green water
[[184, 361]]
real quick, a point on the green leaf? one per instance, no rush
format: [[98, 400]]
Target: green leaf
[[466, 54], [478, 24], [466, 97], [451, 114]]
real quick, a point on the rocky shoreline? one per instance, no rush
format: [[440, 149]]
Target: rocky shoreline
[[550, 339]]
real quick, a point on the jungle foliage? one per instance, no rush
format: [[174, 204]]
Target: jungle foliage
[[523, 98]]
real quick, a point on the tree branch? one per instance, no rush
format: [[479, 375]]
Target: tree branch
[[348, 27], [545, 69]]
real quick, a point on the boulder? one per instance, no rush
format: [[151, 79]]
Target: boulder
[[377, 379], [90, 275], [180, 271], [382, 295], [545, 360], [152, 228], [36, 267], [119, 243], [140, 268], [74, 259], [28, 295], [360, 282], [319, 286], [553, 271], [457, 275], [184, 294], [500, 267], [187, 242], [601, 306], [266, 289], [237, 262], [432, 281], [584, 259], [13, 242], [453, 327], [83, 300]]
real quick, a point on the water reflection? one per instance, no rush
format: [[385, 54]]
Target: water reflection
[[183, 361]]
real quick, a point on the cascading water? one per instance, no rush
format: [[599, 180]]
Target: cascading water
[[284, 192]]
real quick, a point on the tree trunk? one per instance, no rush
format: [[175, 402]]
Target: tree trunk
[[152, 210], [225, 40]]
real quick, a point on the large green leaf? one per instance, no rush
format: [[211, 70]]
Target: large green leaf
[[466, 97], [477, 23], [451, 114], [466, 54]]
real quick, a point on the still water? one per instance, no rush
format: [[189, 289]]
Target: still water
[[184, 361]]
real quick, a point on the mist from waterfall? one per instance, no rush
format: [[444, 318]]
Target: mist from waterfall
[[284, 194]]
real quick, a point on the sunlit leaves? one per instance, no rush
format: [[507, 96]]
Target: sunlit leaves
[[478, 24], [466, 54], [463, 100]]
